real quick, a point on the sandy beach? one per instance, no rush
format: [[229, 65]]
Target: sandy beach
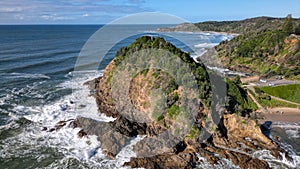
[[282, 114]]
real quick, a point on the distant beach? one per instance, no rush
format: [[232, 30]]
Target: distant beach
[[282, 114]]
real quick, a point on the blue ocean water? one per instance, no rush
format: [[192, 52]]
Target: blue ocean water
[[38, 89]]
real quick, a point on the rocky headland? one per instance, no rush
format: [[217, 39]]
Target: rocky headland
[[182, 129]]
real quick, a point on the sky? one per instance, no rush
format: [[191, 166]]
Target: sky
[[106, 11]]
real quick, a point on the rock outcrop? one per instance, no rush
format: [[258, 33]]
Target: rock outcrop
[[173, 137]]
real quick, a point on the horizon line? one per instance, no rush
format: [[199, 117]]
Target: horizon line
[[94, 24]]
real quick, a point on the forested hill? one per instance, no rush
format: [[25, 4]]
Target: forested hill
[[238, 27], [245, 26], [268, 50], [265, 46]]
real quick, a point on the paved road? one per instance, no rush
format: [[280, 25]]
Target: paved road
[[276, 82]]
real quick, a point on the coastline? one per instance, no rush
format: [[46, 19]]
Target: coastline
[[206, 32], [282, 115]]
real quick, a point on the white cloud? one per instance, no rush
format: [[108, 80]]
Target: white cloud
[[11, 9], [64, 11], [54, 17]]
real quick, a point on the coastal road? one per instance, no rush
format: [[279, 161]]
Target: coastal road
[[275, 82]]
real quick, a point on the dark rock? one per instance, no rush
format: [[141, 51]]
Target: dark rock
[[184, 160], [242, 160], [73, 124], [266, 128], [111, 140], [62, 123], [129, 128], [81, 133]]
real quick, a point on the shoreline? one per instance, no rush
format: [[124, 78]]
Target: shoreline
[[210, 32], [282, 115]]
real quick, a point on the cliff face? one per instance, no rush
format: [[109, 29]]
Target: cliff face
[[170, 111]]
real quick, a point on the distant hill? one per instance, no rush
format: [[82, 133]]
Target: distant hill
[[244, 26], [269, 46], [237, 27]]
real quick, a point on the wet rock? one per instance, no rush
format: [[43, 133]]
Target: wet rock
[[266, 128], [62, 123], [242, 160], [111, 140], [128, 127], [73, 124], [81, 133], [52, 129]]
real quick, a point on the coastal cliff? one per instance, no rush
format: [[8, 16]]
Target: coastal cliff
[[171, 140]]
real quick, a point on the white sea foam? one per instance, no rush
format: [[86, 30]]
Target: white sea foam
[[80, 102], [223, 163], [292, 133], [205, 45], [24, 75], [227, 37], [65, 140], [124, 155], [277, 163], [287, 125]]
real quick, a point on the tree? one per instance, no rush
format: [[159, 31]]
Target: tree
[[237, 80], [288, 26], [297, 29]]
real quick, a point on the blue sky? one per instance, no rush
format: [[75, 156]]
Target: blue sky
[[104, 11]]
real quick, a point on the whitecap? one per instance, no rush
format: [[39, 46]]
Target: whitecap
[[25, 75], [277, 163], [205, 45], [223, 163], [292, 133]]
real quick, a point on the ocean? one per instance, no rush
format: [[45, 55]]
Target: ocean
[[39, 88]]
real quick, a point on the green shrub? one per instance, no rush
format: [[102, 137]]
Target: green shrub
[[173, 111]]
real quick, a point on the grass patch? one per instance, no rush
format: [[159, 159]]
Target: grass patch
[[286, 92], [173, 111], [274, 103], [194, 132], [267, 101], [109, 78]]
